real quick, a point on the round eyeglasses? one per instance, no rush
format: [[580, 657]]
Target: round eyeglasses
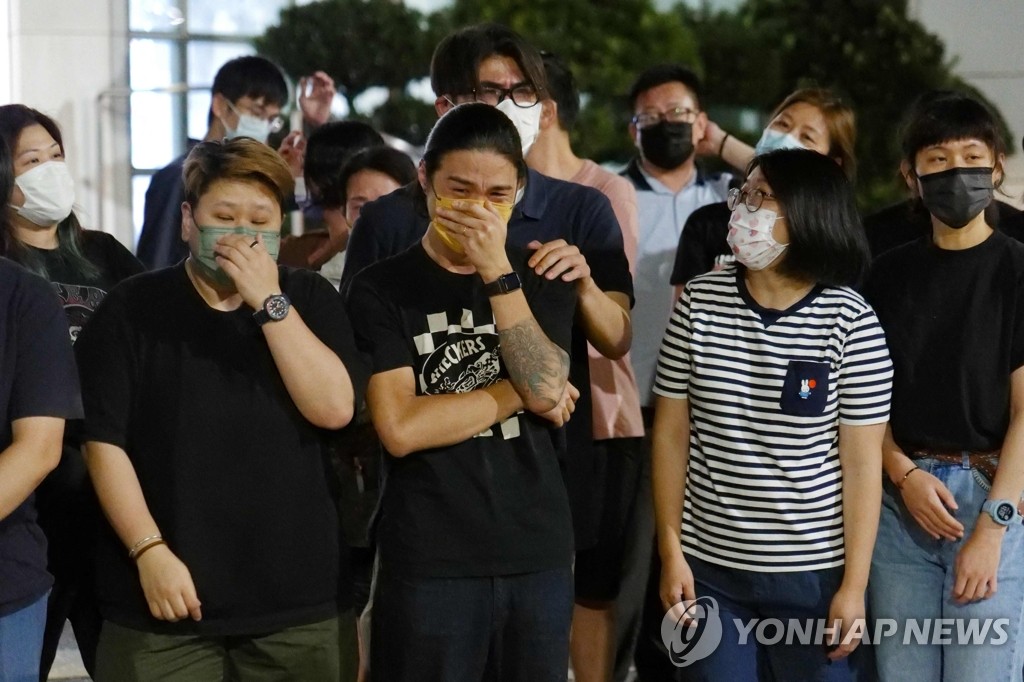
[[752, 199]]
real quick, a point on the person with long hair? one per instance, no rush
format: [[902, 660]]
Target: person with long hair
[[45, 236], [773, 393], [38, 392], [951, 302]]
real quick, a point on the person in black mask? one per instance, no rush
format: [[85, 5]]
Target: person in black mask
[[667, 124], [952, 305]]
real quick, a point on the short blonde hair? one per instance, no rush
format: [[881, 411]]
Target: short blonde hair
[[240, 159]]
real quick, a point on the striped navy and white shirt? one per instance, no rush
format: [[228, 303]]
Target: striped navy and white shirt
[[767, 393]]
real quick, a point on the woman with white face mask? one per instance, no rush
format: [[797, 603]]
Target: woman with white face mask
[[772, 397], [44, 235], [810, 118]]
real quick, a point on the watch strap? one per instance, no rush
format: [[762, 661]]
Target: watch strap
[[506, 283], [991, 507]]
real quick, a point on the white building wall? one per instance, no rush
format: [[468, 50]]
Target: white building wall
[[68, 58]]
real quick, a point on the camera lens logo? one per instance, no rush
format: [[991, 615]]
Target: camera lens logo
[[691, 630]]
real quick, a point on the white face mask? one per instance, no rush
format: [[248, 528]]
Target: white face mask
[[255, 127], [526, 121], [750, 237], [49, 193], [773, 139]]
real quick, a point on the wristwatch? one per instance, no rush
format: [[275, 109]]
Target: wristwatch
[[504, 284], [1002, 512], [275, 308]]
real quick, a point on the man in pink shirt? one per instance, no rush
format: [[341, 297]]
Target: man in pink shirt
[[618, 424]]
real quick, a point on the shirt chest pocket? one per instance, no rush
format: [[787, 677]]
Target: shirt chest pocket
[[805, 389]]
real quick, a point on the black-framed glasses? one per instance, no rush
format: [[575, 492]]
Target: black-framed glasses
[[752, 199], [674, 115], [522, 95]]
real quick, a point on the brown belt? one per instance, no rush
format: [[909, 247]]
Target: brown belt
[[985, 462]]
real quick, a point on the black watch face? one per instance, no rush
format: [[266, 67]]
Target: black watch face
[[1004, 512], [277, 307]]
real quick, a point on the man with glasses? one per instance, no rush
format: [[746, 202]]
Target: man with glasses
[[666, 126], [248, 95], [572, 228]]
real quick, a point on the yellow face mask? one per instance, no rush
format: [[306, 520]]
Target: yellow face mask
[[504, 210]]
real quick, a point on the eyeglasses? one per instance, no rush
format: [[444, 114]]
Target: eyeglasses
[[276, 122], [676, 115], [752, 199], [522, 95]]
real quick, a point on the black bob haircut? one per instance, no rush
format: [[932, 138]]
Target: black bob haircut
[[562, 89], [387, 160], [827, 244], [457, 58], [945, 115], [6, 182], [327, 150], [474, 127], [660, 74]]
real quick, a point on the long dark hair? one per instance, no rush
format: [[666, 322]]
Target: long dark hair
[[826, 238], [14, 118]]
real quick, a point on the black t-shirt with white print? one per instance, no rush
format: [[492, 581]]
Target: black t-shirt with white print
[[491, 505]]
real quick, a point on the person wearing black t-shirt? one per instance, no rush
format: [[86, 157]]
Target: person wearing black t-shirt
[[38, 392], [952, 306], [208, 386], [470, 373], [44, 236]]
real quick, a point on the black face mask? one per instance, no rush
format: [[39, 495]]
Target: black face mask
[[957, 195], [667, 145]]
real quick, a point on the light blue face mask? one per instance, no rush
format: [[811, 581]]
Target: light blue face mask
[[773, 139], [208, 236]]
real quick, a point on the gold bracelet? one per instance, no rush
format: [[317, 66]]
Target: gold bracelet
[[134, 551], [899, 486], [148, 547]]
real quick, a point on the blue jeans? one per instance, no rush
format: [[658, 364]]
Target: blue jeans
[[21, 642], [790, 598], [912, 577], [511, 628]]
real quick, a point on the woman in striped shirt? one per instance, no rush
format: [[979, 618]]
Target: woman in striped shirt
[[773, 393]]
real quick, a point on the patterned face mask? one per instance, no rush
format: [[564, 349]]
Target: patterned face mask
[[750, 237]]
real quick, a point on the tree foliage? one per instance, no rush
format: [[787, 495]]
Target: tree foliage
[[868, 51]]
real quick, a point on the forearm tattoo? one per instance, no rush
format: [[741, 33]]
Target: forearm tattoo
[[536, 366]]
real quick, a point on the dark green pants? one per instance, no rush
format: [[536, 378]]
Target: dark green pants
[[306, 652]]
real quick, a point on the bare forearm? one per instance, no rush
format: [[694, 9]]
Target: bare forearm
[[316, 378], [537, 367], [433, 421], [670, 455], [119, 492], [1009, 480], [605, 319], [860, 455], [25, 463]]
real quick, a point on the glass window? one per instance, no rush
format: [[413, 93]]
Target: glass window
[[153, 64], [150, 16], [153, 128], [205, 57], [198, 113], [140, 183], [251, 17]]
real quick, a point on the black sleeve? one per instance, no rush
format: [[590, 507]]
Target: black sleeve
[[702, 241], [46, 380], [378, 327], [553, 303], [106, 355], [602, 245], [160, 242], [119, 261], [323, 311]]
